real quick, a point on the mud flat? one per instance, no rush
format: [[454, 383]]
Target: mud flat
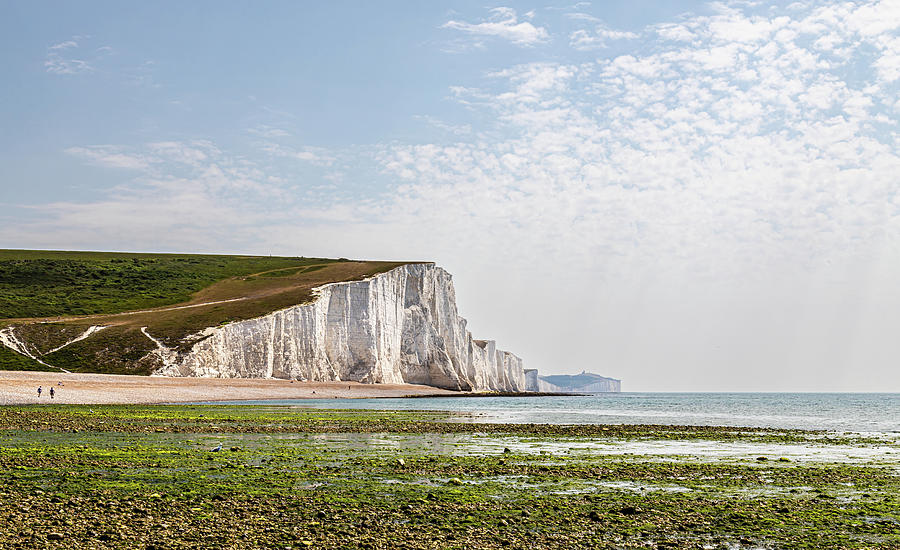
[[224, 476], [20, 387]]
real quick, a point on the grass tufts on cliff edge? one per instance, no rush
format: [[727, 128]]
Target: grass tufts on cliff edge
[[50, 297]]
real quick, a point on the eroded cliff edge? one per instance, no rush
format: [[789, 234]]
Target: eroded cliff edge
[[401, 326]]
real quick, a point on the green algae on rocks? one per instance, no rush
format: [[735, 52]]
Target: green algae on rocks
[[278, 477]]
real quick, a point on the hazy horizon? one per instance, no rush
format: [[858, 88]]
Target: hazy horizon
[[686, 196]]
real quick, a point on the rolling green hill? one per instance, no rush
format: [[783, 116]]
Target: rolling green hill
[[10, 360], [49, 298], [39, 284]]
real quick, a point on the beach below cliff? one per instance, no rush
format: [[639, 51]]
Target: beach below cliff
[[20, 388]]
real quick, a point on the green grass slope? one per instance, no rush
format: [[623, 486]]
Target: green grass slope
[[48, 298], [10, 360], [37, 283]]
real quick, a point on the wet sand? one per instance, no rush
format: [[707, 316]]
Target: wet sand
[[19, 387]]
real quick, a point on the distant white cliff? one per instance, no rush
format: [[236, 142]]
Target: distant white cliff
[[401, 326], [586, 382]]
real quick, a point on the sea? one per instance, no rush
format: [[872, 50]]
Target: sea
[[842, 412]]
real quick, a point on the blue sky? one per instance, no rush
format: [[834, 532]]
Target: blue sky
[[333, 76], [685, 195]]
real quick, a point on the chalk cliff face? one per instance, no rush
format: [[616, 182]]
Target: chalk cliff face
[[533, 382], [397, 327]]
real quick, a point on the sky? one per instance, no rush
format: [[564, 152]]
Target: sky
[[687, 196]]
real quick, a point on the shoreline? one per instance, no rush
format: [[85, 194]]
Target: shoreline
[[20, 388], [510, 394]]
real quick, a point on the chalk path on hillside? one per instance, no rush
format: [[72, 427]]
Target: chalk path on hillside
[[138, 311], [9, 339]]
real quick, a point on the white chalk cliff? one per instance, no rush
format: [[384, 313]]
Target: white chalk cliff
[[401, 326]]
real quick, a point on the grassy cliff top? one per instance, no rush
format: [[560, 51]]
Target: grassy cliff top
[[50, 297], [37, 283]]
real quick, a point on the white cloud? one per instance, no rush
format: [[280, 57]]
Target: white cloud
[[888, 64], [457, 129], [269, 132], [190, 192], [314, 155], [599, 37], [673, 31], [534, 82], [63, 45], [168, 165], [110, 156], [195, 154], [503, 23], [733, 145], [68, 57]]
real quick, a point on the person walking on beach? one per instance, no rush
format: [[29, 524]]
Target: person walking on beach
[[39, 392], [51, 392]]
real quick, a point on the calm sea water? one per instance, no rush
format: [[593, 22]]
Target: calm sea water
[[857, 412]]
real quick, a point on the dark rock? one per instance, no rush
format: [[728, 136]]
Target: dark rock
[[55, 536]]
